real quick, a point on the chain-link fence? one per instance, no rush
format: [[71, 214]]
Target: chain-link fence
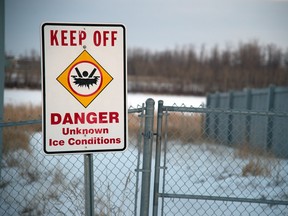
[[177, 163], [35, 184], [200, 173]]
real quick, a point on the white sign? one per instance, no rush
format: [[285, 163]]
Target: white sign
[[84, 88]]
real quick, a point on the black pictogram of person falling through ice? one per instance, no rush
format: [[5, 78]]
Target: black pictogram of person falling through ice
[[85, 79]]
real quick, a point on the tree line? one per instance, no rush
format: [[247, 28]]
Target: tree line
[[181, 70], [24, 71], [250, 65]]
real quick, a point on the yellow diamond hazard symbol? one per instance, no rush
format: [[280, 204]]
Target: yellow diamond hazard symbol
[[85, 78]]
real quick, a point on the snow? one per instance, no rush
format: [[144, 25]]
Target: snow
[[25, 96], [22, 96], [50, 185]]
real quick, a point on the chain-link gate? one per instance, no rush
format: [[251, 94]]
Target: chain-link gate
[[210, 162]]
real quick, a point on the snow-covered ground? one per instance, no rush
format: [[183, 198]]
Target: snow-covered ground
[[41, 185], [16, 96]]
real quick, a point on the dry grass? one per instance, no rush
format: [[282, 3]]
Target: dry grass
[[260, 162], [257, 167], [187, 128], [21, 112], [247, 151], [17, 137], [134, 125]]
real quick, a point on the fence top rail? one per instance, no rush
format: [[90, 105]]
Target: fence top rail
[[226, 111], [20, 123]]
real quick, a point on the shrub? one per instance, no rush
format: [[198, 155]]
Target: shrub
[[256, 167], [260, 162]]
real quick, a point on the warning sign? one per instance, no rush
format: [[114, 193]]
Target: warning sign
[[84, 88], [85, 78]]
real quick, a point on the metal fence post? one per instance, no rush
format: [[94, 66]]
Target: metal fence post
[[147, 157], [207, 119], [2, 72], [248, 117], [270, 107], [89, 184], [157, 157], [230, 118], [216, 116], [139, 141]]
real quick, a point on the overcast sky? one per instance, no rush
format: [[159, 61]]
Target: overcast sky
[[154, 24]]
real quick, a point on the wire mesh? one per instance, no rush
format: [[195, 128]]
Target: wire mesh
[[212, 168], [213, 162], [35, 184]]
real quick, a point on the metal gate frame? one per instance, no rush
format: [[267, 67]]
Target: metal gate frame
[[163, 111]]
